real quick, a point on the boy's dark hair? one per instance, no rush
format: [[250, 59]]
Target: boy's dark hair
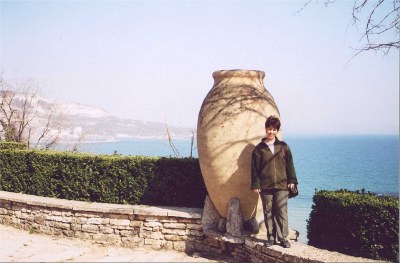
[[274, 122]]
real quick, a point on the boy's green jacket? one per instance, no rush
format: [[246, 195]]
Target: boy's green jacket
[[272, 171]]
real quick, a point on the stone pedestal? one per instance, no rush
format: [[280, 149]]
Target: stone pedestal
[[210, 217], [234, 222]]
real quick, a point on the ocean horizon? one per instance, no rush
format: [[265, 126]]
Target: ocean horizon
[[322, 162]]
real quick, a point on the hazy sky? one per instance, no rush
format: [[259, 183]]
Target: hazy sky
[[150, 60]]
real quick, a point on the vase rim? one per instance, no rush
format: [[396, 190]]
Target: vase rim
[[238, 73]]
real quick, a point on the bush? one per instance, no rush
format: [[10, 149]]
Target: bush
[[101, 178], [12, 145], [357, 223], [176, 181]]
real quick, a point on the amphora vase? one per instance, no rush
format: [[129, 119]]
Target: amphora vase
[[230, 124]]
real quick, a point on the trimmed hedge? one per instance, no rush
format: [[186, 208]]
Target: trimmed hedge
[[176, 182], [12, 145], [103, 178], [356, 223]]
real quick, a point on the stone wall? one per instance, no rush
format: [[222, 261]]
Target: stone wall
[[155, 227]]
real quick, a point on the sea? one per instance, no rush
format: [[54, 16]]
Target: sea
[[353, 162]]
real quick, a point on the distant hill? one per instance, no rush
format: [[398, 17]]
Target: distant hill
[[90, 124]]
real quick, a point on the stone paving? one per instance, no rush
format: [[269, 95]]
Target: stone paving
[[20, 246]]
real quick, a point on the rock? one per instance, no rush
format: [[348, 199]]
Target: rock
[[234, 224], [293, 234], [251, 226], [210, 216], [222, 225]]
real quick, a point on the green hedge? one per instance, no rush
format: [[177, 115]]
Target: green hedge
[[356, 223], [12, 145], [172, 184], [101, 178]]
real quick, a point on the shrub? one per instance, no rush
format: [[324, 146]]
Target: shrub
[[101, 178], [12, 145], [357, 223], [176, 181]]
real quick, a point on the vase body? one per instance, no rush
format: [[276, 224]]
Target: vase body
[[230, 124]]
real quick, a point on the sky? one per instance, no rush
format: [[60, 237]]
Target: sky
[[153, 60]]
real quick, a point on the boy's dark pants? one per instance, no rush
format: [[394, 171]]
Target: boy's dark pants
[[275, 213]]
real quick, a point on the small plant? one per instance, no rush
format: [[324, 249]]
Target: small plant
[[32, 230]]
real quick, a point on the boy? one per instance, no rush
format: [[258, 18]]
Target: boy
[[272, 173]]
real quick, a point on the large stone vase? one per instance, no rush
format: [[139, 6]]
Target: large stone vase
[[230, 124]]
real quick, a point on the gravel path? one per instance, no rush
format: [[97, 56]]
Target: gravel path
[[19, 246]]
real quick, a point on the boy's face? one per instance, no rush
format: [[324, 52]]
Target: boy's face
[[271, 133]]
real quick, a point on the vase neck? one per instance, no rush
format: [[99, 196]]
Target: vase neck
[[239, 76]]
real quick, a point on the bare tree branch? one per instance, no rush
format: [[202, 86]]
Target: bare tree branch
[[78, 141], [171, 143], [192, 144], [19, 116], [380, 24], [304, 6]]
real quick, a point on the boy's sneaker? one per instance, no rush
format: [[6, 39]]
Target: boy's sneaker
[[268, 243], [285, 244]]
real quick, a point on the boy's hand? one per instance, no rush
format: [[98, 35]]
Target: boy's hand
[[257, 191], [291, 186]]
